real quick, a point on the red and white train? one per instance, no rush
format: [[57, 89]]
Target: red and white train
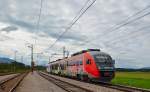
[[91, 64]]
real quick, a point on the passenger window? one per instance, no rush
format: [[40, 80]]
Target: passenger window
[[80, 62], [77, 63], [88, 61]]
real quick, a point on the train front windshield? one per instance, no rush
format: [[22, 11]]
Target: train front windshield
[[104, 62]]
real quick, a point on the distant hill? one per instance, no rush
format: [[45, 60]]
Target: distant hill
[[146, 69], [5, 60]]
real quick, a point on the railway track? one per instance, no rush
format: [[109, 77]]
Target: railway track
[[122, 88], [10, 84], [118, 87], [64, 85], [3, 74]]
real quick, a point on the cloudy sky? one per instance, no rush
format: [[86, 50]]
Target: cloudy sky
[[129, 45]]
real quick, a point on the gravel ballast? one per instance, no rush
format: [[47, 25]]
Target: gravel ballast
[[2, 78], [89, 86]]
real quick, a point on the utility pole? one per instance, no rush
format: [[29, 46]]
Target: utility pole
[[53, 55], [67, 53], [21, 59], [64, 51], [49, 58], [32, 62], [32, 53], [15, 52], [37, 55]]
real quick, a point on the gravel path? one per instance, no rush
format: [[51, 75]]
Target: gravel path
[[92, 87], [6, 77], [36, 83]]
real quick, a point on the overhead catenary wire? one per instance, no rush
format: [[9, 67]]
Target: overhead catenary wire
[[38, 22], [134, 36], [75, 20], [131, 34], [135, 20], [80, 11], [122, 25], [125, 22], [39, 18], [128, 21], [133, 15]]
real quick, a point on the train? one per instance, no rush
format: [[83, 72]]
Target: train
[[86, 65]]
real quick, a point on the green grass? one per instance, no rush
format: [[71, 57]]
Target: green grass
[[9, 68], [135, 79]]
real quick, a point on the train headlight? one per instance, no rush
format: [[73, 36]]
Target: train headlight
[[108, 67], [99, 67]]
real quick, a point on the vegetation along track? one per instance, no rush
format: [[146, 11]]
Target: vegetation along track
[[3, 74], [10, 85], [64, 85]]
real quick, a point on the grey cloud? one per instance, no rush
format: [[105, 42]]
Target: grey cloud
[[4, 37], [21, 23], [57, 14], [9, 28]]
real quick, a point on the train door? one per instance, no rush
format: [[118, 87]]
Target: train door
[[66, 68], [80, 67]]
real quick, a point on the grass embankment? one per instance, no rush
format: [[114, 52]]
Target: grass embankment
[[12, 68], [16, 67], [135, 79]]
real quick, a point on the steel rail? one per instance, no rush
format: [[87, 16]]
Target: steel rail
[[117, 86], [122, 87], [5, 87], [64, 85], [3, 74]]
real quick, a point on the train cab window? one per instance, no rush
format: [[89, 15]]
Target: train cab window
[[88, 61]]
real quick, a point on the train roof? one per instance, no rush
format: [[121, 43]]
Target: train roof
[[101, 53], [84, 51], [59, 60], [91, 51]]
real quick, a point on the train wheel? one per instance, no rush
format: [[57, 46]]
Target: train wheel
[[89, 80], [84, 77], [78, 76], [81, 77]]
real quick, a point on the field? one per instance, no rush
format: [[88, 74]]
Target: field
[[135, 79]]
